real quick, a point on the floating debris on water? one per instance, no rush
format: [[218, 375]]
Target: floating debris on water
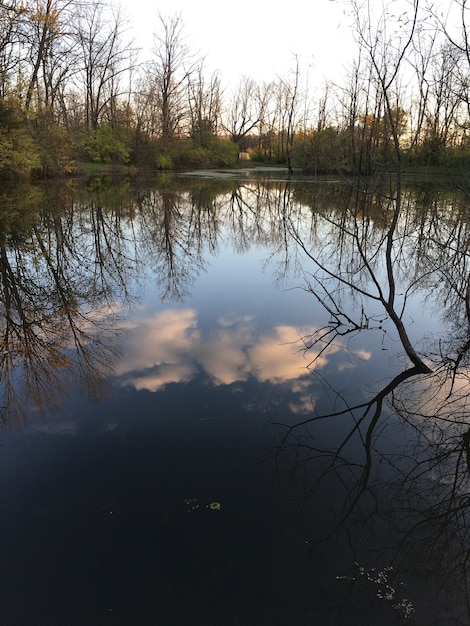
[[192, 505]]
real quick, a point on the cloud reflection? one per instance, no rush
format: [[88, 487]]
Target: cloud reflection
[[160, 350], [169, 347]]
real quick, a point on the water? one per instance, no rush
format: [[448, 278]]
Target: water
[[154, 359]]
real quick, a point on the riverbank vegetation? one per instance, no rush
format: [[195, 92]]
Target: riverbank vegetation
[[76, 94]]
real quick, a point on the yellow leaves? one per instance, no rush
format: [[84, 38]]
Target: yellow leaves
[[46, 15], [18, 152]]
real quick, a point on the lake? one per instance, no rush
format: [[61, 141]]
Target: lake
[[234, 399]]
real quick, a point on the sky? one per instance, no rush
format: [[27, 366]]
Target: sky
[[256, 38]]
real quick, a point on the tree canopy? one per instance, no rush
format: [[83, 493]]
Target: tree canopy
[[74, 88]]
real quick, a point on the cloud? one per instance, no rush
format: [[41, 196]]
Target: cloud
[[160, 340], [223, 355], [170, 348], [164, 375], [277, 356]]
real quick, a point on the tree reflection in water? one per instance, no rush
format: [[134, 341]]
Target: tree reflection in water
[[410, 484], [68, 258], [59, 313], [394, 464]]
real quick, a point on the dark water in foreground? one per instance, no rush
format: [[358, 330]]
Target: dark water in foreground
[[161, 340]]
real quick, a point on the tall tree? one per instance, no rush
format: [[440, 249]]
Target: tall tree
[[205, 101], [291, 94], [11, 16], [243, 111], [392, 66], [43, 26], [457, 32], [170, 71], [103, 58]]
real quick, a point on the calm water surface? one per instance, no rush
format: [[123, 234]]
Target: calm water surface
[[160, 341]]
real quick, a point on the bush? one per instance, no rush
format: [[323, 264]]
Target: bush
[[102, 145], [320, 152], [259, 156], [19, 153], [187, 153], [18, 150], [163, 162], [222, 153], [55, 149]]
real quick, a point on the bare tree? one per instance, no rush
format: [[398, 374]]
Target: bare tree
[[11, 17], [290, 90], [170, 72], [243, 113], [44, 28], [455, 72], [388, 84], [103, 58], [205, 103]]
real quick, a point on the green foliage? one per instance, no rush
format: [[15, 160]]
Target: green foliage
[[222, 153], [18, 152], [55, 149], [258, 155], [102, 145], [431, 153], [10, 116], [321, 152], [182, 154], [202, 132], [273, 156], [458, 157], [369, 145], [186, 154], [162, 159], [163, 162]]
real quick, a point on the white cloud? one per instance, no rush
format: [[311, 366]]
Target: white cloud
[[169, 348]]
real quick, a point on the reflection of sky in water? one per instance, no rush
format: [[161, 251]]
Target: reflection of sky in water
[[172, 343], [96, 497], [237, 324]]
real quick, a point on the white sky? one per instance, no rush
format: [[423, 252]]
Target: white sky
[[257, 38]]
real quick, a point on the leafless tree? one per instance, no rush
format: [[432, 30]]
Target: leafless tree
[[103, 58], [242, 115], [170, 72], [45, 34], [11, 18], [205, 104], [291, 91]]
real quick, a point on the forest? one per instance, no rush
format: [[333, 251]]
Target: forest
[[76, 93]]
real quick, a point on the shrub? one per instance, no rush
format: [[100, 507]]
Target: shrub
[[55, 149], [222, 153], [102, 145], [321, 152], [18, 152], [187, 153]]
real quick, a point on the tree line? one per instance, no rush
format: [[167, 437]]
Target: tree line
[[74, 89]]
